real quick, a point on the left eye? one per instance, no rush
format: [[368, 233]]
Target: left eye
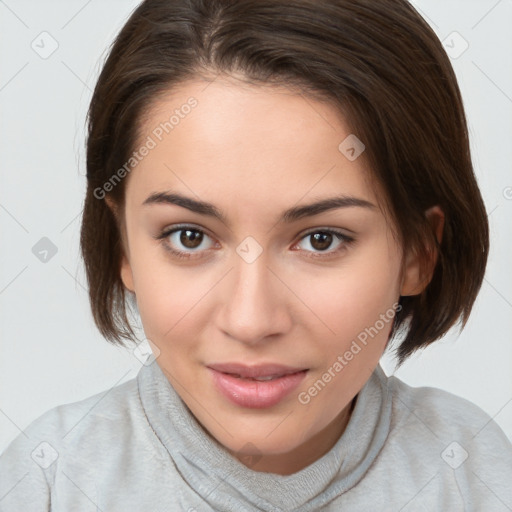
[[321, 240]]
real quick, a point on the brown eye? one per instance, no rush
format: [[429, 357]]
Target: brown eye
[[186, 241], [324, 243], [191, 239], [321, 241]]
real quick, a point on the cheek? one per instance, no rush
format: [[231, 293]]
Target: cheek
[[168, 296], [358, 305], [354, 295]]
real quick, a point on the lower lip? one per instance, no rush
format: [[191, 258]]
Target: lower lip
[[256, 394]]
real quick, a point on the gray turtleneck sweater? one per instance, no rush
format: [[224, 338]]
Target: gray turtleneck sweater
[[138, 448]]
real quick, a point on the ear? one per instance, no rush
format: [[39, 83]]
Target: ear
[[127, 274], [126, 269], [414, 280]]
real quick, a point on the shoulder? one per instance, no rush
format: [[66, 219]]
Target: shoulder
[[96, 413], [69, 422], [444, 413], [97, 429], [453, 441]]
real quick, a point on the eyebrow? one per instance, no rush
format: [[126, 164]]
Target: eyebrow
[[292, 214]]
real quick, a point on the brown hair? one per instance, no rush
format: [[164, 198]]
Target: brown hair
[[378, 61]]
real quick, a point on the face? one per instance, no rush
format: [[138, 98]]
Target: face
[[255, 303]]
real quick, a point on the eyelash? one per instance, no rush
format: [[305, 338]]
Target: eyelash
[[162, 237]]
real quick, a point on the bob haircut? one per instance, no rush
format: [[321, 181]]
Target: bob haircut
[[377, 61]]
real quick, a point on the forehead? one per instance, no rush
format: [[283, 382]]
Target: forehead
[[226, 140]]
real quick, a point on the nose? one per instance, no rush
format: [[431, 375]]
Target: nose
[[254, 306]]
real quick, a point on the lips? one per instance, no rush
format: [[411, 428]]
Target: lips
[[258, 386], [257, 372]]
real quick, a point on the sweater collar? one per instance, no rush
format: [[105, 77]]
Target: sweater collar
[[220, 479]]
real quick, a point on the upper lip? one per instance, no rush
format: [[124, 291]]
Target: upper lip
[[259, 370]]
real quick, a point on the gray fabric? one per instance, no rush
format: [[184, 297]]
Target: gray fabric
[[137, 447]]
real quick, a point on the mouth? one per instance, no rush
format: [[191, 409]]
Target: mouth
[[258, 386]]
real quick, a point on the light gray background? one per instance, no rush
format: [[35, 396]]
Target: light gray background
[[51, 352]]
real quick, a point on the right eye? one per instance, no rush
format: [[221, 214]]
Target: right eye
[[184, 241]]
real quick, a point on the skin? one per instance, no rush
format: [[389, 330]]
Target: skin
[[254, 152]]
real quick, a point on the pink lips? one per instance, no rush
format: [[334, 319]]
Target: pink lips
[[238, 383]]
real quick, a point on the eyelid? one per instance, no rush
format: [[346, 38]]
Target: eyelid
[[336, 231]]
